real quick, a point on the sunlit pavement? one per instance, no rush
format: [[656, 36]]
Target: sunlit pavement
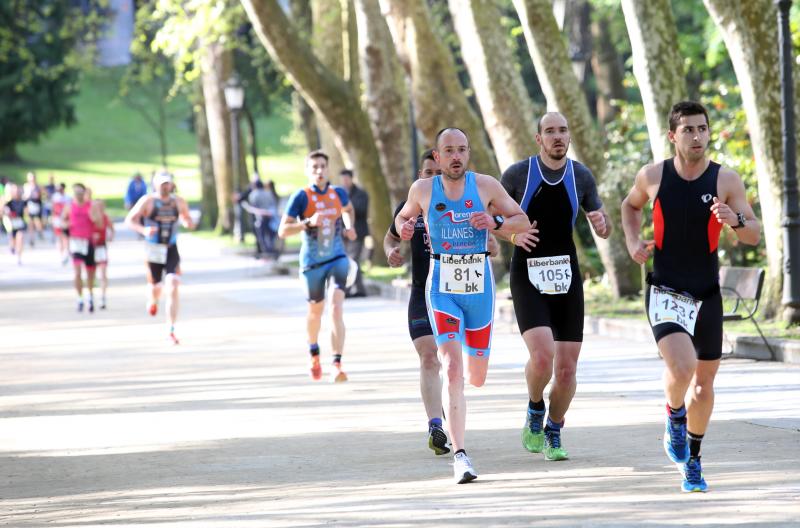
[[104, 422]]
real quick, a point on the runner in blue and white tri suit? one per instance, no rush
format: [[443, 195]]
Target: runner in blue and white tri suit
[[460, 207]]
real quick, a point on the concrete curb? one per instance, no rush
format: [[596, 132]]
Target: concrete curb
[[734, 345]]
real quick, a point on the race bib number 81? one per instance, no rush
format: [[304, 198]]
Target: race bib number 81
[[671, 307], [550, 275], [461, 274]]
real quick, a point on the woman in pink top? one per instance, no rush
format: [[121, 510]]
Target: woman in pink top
[[81, 216]]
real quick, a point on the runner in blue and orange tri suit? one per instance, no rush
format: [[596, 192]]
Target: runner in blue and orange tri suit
[[156, 216], [693, 198], [460, 208], [323, 213]]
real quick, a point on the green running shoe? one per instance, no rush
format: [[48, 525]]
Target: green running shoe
[[532, 433], [552, 446]]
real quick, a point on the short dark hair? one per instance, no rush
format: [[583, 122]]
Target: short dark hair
[[79, 185], [446, 129], [319, 153], [259, 184], [427, 155], [346, 172], [685, 108]]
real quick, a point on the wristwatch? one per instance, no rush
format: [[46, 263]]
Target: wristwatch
[[740, 217], [498, 219], [306, 222]]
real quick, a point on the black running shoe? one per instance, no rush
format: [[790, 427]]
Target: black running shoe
[[437, 440]]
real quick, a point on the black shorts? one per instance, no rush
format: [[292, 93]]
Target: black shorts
[[707, 338], [87, 259], [562, 313], [172, 266], [418, 323]]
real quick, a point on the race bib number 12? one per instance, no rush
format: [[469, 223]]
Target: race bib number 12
[[550, 275], [671, 307], [461, 274]]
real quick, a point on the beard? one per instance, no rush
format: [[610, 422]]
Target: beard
[[558, 156]]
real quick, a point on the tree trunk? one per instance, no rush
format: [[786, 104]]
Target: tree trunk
[[508, 113], [9, 154], [563, 92], [439, 99], [607, 69], [216, 69], [750, 31], [657, 65], [208, 194], [386, 100], [330, 96], [328, 44], [306, 121]]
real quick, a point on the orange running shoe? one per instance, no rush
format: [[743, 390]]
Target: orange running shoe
[[152, 308], [338, 375], [316, 368], [174, 339]]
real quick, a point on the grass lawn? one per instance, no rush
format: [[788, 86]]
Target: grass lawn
[[111, 141]]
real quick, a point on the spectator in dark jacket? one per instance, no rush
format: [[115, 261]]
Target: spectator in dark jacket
[[355, 248]]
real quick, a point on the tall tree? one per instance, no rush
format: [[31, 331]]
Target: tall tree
[[44, 45], [562, 89], [439, 99], [301, 15], [508, 113], [216, 70], [385, 97], [329, 95], [327, 40], [607, 68], [657, 65], [208, 189], [751, 35]]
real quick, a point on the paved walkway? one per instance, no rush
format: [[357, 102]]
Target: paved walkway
[[103, 422]]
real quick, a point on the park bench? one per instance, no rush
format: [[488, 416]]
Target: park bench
[[741, 292]]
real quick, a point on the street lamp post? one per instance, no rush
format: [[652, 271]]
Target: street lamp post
[[791, 211], [234, 99]]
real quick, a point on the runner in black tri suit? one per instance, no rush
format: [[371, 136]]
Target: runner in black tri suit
[[157, 216], [14, 211], [419, 327], [692, 198], [545, 277]]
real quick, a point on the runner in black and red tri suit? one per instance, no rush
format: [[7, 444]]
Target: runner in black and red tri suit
[[545, 277], [693, 197]]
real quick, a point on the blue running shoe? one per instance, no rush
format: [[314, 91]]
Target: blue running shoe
[[533, 433], [675, 444], [693, 476]]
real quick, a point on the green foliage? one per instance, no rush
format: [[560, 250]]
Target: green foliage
[[44, 45], [183, 28]]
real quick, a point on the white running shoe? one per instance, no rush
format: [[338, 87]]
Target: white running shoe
[[462, 469]]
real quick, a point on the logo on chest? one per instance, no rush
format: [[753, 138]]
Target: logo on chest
[[706, 198]]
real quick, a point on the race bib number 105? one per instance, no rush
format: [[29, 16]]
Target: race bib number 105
[[550, 275], [671, 307], [461, 274]]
